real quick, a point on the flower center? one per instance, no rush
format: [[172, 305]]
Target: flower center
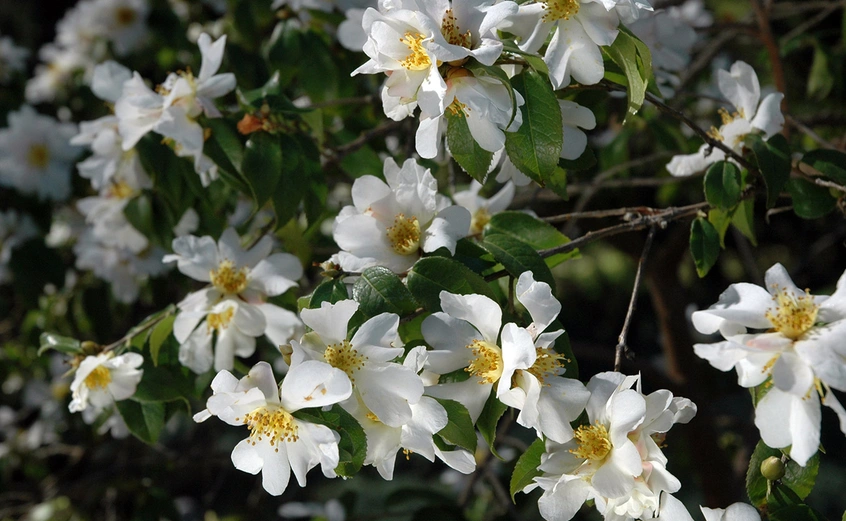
[[417, 59], [457, 108], [342, 356], [404, 235], [121, 190], [594, 443], [487, 364], [125, 16], [38, 156], [548, 363], [220, 320], [560, 10], [449, 28], [728, 117], [792, 316], [100, 377], [228, 279], [481, 217], [275, 424]]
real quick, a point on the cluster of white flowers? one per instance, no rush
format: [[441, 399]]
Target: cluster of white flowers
[[83, 39], [101, 380]]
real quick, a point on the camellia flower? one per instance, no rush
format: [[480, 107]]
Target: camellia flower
[[740, 86], [482, 209], [612, 459], [800, 347], [387, 389], [103, 379], [391, 224], [36, 156], [278, 442], [673, 510]]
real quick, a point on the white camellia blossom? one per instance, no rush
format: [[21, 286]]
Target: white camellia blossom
[[579, 27], [387, 389], [799, 346], [278, 442], [36, 156], [240, 281], [673, 510], [482, 209], [547, 401], [670, 37], [613, 458], [54, 74], [103, 379], [12, 59], [15, 229], [740, 87], [391, 224]]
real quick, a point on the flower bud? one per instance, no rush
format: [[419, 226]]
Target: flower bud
[[90, 348], [772, 468]]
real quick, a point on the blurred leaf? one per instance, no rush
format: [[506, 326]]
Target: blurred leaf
[[262, 165], [518, 257], [810, 201], [62, 344], [379, 290], [557, 182], [820, 79], [224, 147], [160, 332], [830, 163], [526, 468], [431, 275], [704, 245], [139, 213], [531, 230], [293, 184], [722, 185], [145, 420], [800, 480], [459, 429], [475, 160], [489, 419], [773, 157], [164, 384]]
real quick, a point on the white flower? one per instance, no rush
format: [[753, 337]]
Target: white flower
[[387, 389], [669, 37], [673, 510], [579, 28], [14, 230], [547, 401], [612, 459], [35, 156], [800, 347], [104, 379], [392, 224], [12, 59], [122, 22], [482, 209], [54, 73], [739, 86], [278, 442]]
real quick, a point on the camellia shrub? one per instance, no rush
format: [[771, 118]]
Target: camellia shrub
[[474, 259]]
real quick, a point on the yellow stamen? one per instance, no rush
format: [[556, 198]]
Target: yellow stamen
[[792, 315], [38, 156], [560, 9], [121, 190], [227, 279], [715, 133], [100, 377], [342, 356], [594, 442], [547, 364], [220, 320], [417, 59], [457, 108], [273, 423], [487, 364], [372, 417], [404, 235], [451, 32]]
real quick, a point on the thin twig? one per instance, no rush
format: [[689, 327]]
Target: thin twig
[[766, 36], [348, 148], [830, 184], [808, 131], [622, 347]]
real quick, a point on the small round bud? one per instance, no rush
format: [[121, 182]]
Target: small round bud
[[90, 348], [772, 468]]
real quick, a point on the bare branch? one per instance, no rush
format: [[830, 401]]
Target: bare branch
[[622, 348]]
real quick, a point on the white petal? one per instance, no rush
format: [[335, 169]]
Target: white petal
[[483, 313], [387, 390], [450, 225], [276, 274], [538, 299], [330, 320], [769, 117], [740, 86], [314, 384]]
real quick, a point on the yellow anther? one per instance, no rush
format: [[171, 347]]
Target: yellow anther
[[792, 315], [487, 362], [372, 417], [220, 320], [594, 442], [404, 235], [451, 32], [457, 108], [715, 133], [417, 59], [38, 156], [342, 356], [481, 217], [121, 190], [548, 363], [99, 378], [560, 9], [228, 279], [274, 423]]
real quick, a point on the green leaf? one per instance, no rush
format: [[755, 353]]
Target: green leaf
[[352, 449], [534, 61], [625, 53], [262, 165], [163, 384], [820, 79], [722, 185], [810, 201], [743, 219], [459, 428], [557, 182], [224, 145], [704, 245], [721, 220], [773, 157], [535, 147], [139, 213], [158, 336], [531, 230], [489, 419], [475, 160], [517, 257], [583, 162], [526, 468], [145, 420], [332, 290], [800, 480], [796, 513], [431, 275], [379, 290], [294, 183], [830, 163], [62, 344]]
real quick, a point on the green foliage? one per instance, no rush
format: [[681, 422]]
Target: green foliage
[[352, 449], [330, 290], [704, 245], [773, 158], [797, 480], [158, 335], [489, 419], [517, 257], [61, 344], [722, 185], [459, 428], [532, 231], [475, 160], [635, 60], [262, 165], [379, 290], [145, 420], [526, 468], [830, 163], [431, 275], [810, 201]]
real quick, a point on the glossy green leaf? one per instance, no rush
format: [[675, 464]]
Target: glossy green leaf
[[459, 429], [518, 257], [704, 245], [800, 480], [722, 185], [744, 220], [475, 160], [61, 344], [831, 163], [531, 230], [810, 201], [721, 220], [431, 275], [294, 182], [163, 384], [489, 419], [535, 147], [379, 290], [624, 52], [331, 291], [145, 420], [224, 146], [773, 157], [532, 59], [262, 166], [796, 513], [160, 332], [526, 468]]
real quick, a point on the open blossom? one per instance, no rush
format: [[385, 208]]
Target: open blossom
[[103, 379], [391, 224], [240, 282], [482, 209], [673, 510], [613, 458], [278, 442], [741, 88], [36, 156], [387, 389], [796, 340]]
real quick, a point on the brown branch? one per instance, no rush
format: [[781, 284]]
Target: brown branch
[[622, 348], [808, 131], [767, 38], [341, 151]]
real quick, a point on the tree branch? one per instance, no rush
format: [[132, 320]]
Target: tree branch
[[622, 348]]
